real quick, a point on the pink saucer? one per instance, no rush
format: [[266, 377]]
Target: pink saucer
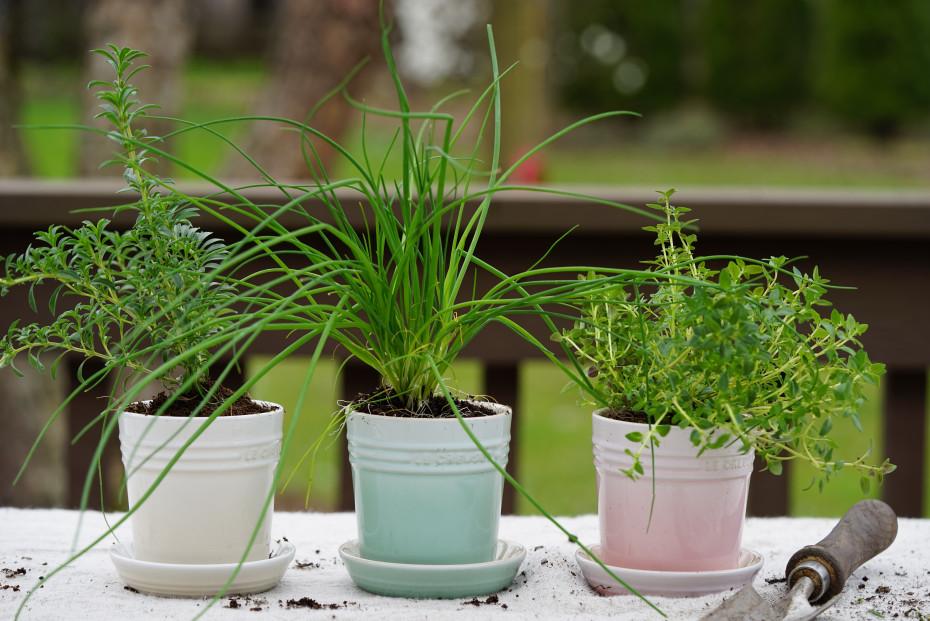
[[669, 583]]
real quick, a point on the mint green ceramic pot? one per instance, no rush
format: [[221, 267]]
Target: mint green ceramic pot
[[424, 493]]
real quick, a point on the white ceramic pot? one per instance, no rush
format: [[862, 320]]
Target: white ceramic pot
[[700, 502], [205, 508], [424, 493]]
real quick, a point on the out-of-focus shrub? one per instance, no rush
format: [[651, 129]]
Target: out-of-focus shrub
[[619, 54], [873, 62], [756, 56]]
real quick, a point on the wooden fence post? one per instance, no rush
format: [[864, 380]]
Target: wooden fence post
[[502, 382], [905, 415], [356, 379]]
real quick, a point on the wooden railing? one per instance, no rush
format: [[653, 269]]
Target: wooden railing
[[875, 241]]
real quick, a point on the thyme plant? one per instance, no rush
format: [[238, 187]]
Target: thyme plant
[[107, 283], [746, 355]]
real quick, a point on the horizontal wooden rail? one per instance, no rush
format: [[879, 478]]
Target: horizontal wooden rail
[[801, 213], [875, 241]]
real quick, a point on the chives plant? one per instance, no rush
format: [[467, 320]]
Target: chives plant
[[746, 355]]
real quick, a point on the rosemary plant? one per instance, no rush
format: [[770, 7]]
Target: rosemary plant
[[108, 283], [160, 301], [744, 355]]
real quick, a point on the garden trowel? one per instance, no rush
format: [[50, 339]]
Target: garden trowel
[[816, 574]]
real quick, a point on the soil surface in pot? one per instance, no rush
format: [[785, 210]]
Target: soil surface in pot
[[626, 416], [389, 404], [186, 403]]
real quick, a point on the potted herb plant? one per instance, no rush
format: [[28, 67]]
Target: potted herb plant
[[427, 466], [147, 303], [696, 374]]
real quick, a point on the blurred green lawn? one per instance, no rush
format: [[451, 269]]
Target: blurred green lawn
[[554, 457], [52, 94]]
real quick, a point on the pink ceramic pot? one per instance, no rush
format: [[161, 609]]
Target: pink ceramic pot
[[700, 502]]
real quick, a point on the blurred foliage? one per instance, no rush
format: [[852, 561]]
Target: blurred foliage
[[756, 55], [860, 62], [872, 62], [620, 55]]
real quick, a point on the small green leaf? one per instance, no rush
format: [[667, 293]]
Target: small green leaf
[[32, 299], [856, 422], [634, 436]]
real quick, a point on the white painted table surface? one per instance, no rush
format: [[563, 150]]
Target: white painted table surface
[[551, 587]]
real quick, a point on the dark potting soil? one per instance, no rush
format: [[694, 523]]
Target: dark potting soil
[[389, 404], [312, 604], [186, 403], [626, 416], [492, 600]]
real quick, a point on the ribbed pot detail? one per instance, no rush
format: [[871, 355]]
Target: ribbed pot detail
[[700, 502], [424, 493], [205, 508]]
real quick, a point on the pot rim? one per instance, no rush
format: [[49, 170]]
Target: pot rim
[[598, 414], [610, 443], [278, 410], [613, 421], [503, 411]]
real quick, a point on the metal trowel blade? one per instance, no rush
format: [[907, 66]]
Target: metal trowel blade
[[748, 605]]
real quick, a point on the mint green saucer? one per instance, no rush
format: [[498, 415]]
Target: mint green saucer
[[434, 581]]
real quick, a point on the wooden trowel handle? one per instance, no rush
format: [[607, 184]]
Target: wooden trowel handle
[[864, 532]]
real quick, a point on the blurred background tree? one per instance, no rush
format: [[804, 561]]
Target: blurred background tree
[[756, 56], [872, 63], [316, 45], [12, 157], [622, 55], [164, 30]]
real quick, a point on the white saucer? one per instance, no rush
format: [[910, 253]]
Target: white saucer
[[669, 583], [200, 580], [434, 581]]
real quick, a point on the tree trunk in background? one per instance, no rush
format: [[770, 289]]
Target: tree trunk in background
[[12, 157], [224, 27], [161, 28], [317, 44], [521, 29], [27, 403]]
